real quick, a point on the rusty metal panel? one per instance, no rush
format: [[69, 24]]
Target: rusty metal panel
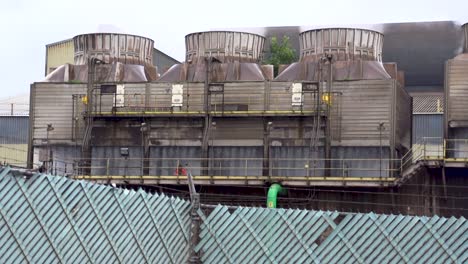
[[344, 43], [46, 219], [261, 235], [58, 54], [225, 46], [456, 89], [112, 47]]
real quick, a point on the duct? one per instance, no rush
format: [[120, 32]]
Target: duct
[[273, 192], [115, 72]]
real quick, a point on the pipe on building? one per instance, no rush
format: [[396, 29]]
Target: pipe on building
[[272, 196]]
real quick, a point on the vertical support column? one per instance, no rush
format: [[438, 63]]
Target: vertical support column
[[145, 129], [444, 181], [427, 193], [86, 144], [207, 118], [435, 209], [266, 148], [30, 153], [329, 58]]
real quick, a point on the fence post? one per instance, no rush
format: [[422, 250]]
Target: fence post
[[195, 227]]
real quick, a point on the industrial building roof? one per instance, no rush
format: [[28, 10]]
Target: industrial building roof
[[48, 219]]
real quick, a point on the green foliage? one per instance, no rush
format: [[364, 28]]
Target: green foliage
[[281, 52]]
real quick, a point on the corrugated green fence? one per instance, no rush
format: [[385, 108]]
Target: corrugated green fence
[[261, 235], [46, 219]]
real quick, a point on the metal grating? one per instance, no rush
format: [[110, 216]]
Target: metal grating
[[46, 219], [428, 104], [260, 235]]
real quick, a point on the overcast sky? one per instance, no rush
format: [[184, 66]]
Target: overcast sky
[[28, 25]]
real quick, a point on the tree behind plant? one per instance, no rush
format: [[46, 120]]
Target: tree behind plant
[[281, 52]]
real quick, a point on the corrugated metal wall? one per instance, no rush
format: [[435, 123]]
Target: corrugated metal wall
[[14, 139], [53, 104], [365, 104], [456, 91], [58, 54], [427, 125]]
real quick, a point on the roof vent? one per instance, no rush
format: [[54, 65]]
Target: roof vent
[[112, 47], [224, 46], [345, 44]]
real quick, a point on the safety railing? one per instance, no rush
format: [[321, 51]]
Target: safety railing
[[216, 168], [193, 104], [426, 148], [434, 149], [456, 149], [231, 168]]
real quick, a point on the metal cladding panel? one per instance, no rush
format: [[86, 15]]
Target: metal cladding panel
[[109, 161], [14, 129], [346, 162], [364, 105], [111, 47], [458, 147], [240, 96], [164, 159], [14, 139], [402, 119], [225, 46], [238, 129], [236, 161], [427, 126], [135, 94], [456, 89], [47, 219], [263, 235], [344, 43], [58, 54], [53, 104], [279, 97], [14, 154]]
